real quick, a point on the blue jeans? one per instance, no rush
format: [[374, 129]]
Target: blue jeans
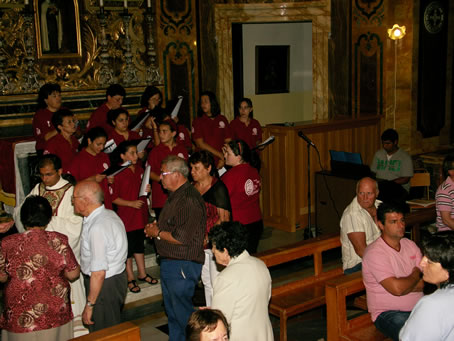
[[178, 281], [356, 268], [391, 322]]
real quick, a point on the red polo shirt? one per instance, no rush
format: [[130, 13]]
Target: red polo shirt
[[250, 134], [243, 183], [155, 158], [42, 124], [85, 165], [126, 186], [66, 151], [213, 131]]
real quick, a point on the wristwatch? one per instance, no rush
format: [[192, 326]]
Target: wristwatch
[[91, 305], [158, 237]]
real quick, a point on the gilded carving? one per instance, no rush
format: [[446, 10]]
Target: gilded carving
[[369, 11]]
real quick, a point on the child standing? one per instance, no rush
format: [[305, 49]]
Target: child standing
[[132, 210]]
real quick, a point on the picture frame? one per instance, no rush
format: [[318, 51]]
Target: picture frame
[[57, 27], [272, 69]]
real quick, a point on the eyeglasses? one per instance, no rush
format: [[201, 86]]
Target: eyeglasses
[[166, 173]]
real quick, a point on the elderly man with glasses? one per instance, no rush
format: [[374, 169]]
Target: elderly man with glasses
[[179, 235]]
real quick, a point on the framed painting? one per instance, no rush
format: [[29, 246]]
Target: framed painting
[[57, 27], [272, 63]]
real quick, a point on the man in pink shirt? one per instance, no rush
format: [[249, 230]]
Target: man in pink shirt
[[391, 274]]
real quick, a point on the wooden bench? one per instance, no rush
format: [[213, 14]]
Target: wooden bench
[[338, 327], [304, 294], [126, 331]]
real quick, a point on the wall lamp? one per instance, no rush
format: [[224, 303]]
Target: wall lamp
[[396, 32]]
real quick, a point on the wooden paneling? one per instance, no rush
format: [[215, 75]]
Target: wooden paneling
[[284, 170]]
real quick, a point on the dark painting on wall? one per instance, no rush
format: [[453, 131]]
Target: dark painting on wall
[[272, 64]]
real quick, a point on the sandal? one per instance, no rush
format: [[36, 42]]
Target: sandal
[[135, 289], [148, 279]]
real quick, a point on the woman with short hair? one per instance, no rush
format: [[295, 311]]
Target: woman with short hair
[[37, 266], [432, 318], [242, 290]]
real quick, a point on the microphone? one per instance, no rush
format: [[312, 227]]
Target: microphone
[[305, 138]]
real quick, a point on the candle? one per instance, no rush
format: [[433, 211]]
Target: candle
[[125, 3], [101, 3], [149, 3]]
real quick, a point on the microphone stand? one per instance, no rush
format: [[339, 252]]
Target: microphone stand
[[309, 188]]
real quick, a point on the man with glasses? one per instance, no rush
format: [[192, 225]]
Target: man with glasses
[[58, 192], [179, 235]]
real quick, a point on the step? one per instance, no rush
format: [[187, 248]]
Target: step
[[150, 261]]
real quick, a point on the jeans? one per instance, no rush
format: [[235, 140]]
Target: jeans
[[356, 268], [178, 281], [391, 322]]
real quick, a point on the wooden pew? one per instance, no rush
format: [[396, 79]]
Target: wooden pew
[[414, 220], [304, 294], [359, 328], [126, 331]]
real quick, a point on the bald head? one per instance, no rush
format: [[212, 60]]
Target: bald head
[[366, 192], [88, 196]]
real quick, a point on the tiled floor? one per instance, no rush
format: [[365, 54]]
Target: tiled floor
[[149, 314]]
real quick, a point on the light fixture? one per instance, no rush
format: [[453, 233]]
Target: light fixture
[[396, 32]]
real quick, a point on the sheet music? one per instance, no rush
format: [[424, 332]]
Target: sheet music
[[141, 122], [142, 145], [110, 146], [145, 181], [177, 107], [265, 143], [114, 170]]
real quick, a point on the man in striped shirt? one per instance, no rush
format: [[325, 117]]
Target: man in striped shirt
[[179, 235]]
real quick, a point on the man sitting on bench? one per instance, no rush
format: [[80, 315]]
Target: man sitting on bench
[[391, 274], [359, 224]]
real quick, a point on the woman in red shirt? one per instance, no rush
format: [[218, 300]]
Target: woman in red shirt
[[244, 126], [91, 161], [132, 210], [211, 129], [49, 102], [244, 184]]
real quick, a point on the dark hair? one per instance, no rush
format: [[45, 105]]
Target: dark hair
[[149, 92], [49, 159], [92, 134], [115, 89], [387, 207], [45, 91], [215, 108], [122, 148], [448, 164], [112, 115], [230, 235], [206, 159], [241, 148], [439, 248], [35, 212], [172, 125], [59, 115], [390, 135], [249, 103], [205, 320]]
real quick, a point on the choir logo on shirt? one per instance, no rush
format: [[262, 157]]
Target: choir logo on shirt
[[48, 124], [221, 124], [38, 131], [110, 190], [251, 187], [181, 136], [105, 166], [192, 130], [180, 155], [254, 131]]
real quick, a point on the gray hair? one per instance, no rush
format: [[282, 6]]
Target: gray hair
[[176, 164]]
